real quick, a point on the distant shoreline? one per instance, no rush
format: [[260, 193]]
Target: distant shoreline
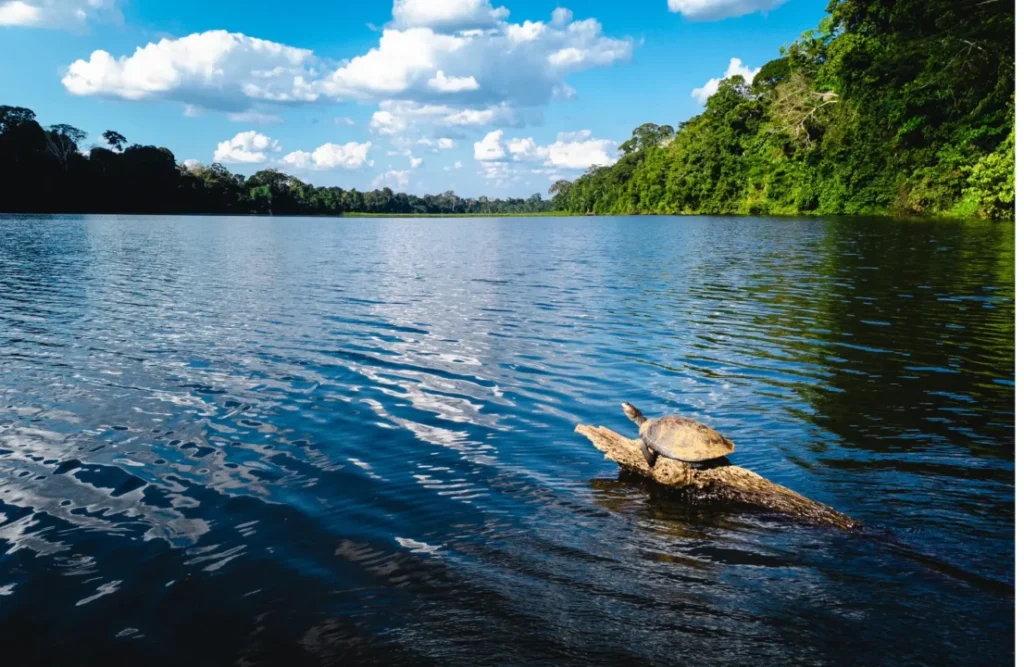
[[548, 214]]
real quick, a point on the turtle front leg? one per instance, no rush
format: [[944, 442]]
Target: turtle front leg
[[651, 456]]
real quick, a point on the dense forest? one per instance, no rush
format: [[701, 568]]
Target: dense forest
[[43, 170], [890, 106]]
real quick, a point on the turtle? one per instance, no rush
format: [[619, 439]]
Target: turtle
[[678, 438]]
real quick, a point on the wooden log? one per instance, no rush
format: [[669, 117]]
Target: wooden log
[[721, 485]]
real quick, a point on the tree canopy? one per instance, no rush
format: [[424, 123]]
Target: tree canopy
[[890, 106]]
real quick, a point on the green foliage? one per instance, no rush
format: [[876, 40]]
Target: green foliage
[[43, 170], [890, 106], [648, 136], [990, 186]]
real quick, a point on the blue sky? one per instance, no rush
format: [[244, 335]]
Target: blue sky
[[481, 97]]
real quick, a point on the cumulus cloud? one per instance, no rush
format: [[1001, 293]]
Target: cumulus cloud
[[522, 148], [246, 148], [713, 10], [332, 156], [452, 84], [570, 151], [191, 164], [403, 60], [415, 161], [509, 161], [579, 151], [215, 70], [498, 75], [386, 123], [68, 14], [448, 15], [489, 148], [344, 120], [561, 16], [396, 180], [736, 68]]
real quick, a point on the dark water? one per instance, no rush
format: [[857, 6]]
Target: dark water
[[256, 441]]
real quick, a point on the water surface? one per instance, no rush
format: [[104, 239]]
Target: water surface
[[315, 441]]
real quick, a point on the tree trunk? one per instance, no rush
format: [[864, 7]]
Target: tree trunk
[[722, 485]]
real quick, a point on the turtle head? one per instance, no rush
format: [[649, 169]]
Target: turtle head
[[635, 415]]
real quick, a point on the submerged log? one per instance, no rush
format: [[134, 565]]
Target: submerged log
[[721, 485]]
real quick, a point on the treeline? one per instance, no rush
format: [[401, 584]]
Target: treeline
[[43, 170], [890, 106]]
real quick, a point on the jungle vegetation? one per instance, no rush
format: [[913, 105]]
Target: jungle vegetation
[[43, 170], [889, 106]]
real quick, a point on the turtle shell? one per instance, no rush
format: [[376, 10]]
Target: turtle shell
[[685, 439]]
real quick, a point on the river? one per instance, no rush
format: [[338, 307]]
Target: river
[[350, 441]]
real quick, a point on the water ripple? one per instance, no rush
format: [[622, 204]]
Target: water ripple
[[274, 440]]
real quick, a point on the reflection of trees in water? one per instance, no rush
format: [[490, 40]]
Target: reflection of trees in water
[[915, 336]]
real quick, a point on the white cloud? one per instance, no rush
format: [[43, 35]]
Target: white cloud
[[561, 16], [396, 180], [567, 57], [458, 164], [215, 70], [386, 123], [255, 117], [489, 148], [191, 164], [442, 144], [20, 13], [500, 75], [571, 151], [396, 116], [527, 32], [452, 84], [69, 14], [713, 10], [579, 151], [192, 111], [331, 156], [736, 68], [344, 120], [497, 115], [245, 148], [522, 148], [403, 59], [447, 14], [415, 161], [501, 173]]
